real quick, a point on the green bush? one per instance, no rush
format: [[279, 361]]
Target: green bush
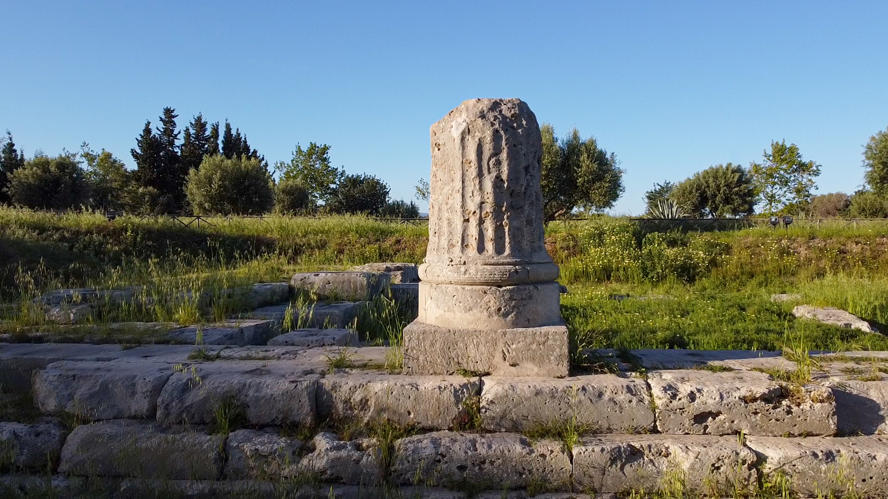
[[291, 197], [48, 183], [400, 209], [868, 204], [359, 194], [230, 186]]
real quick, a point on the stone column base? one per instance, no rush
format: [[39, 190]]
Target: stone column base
[[533, 351]]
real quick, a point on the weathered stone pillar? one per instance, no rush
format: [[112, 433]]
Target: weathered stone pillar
[[488, 300]]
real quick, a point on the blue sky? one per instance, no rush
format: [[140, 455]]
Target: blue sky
[[670, 87]]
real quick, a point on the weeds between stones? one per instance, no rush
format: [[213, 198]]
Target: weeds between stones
[[228, 415], [342, 359], [469, 416]]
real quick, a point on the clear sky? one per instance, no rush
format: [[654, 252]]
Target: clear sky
[[670, 87]]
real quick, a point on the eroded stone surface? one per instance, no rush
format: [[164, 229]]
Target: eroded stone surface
[[95, 390], [69, 313], [720, 403], [711, 465], [861, 406], [121, 448], [351, 286], [833, 316], [259, 454], [495, 460], [689, 359], [398, 272], [827, 466], [263, 392], [600, 403], [489, 307], [268, 293], [355, 462], [30, 446], [19, 361], [432, 402], [538, 351], [230, 332], [317, 338]]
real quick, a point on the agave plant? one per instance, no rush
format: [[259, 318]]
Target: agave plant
[[666, 209]]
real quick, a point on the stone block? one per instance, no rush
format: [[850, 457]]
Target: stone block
[[827, 467], [398, 272], [332, 315], [601, 403], [538, 351], [861, 407], [101, 390], [42, 485], [70, 313], [317, 338], [230, 332], [720, 403], [30, 446], [489, 307], [351, 286], [407, 296], [126, 448], [833, 317], [19, 361], [429, 402], [268, 293], [264, 393], [494, 460], [709, 465], [356, 462], [259, 455]]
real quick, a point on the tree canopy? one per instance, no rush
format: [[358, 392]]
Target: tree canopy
[[577, 174], [718, 191], [784, 181], [311, 167], [11, 159], [875, 159]]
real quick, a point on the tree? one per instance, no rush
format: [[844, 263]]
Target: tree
[[291, 197], [659, 192], [718, 191], [230, 186], [195, 143], [423, 190], [49, 183], [875, 159], [577, 173], [10, 160], [173, 172], [400, 209], [831, 205], [868, 204], [784, 181], [359, 194], [110, 184], [146, 154], [213, 145], [228, 144], [311, 167]]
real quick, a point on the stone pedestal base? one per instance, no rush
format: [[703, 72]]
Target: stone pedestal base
[[535, 351], [489, 307]]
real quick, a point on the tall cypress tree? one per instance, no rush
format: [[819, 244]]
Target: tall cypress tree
[[10, 161], [213, 144], [229, 146], [172, 172], [146, 154], [189, 152], [200, 135]]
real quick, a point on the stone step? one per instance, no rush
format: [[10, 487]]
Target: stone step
[[345, 285], [238, 332], [676, 465], [315, 337], [318, 315]]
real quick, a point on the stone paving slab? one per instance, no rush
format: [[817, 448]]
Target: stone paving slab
[[238, 332], [126, 448], [689, 359], [600, 403], [616, 463], [94, 390], [494, 461], [429, 402], [262, 392], [720, 403], [19, 360], [315, 337], [30, 446], [827, 466]]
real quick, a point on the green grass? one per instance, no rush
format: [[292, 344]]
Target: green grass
[[687, 289]]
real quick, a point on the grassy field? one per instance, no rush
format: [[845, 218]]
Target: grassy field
[[630, 286]]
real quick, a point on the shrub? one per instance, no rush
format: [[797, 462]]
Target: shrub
[[830, 205], [868, 204], [718, 191], [49, 183], [359, 194], [230, 186], [291, 197], [400, 209]]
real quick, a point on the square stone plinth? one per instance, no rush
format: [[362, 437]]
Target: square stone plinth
[[532, 351]]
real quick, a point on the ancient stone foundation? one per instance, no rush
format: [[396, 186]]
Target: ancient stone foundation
[[487, 301]]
